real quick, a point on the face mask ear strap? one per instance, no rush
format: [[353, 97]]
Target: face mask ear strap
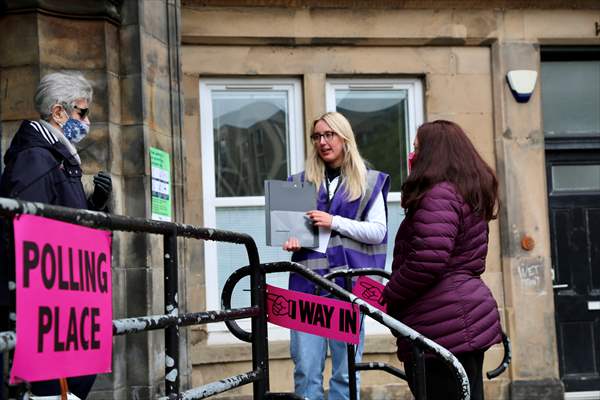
[[56, 119]]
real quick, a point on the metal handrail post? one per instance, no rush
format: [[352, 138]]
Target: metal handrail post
[[420, 374], [350, 350], [171, 308], [14, 391], [260, 345]]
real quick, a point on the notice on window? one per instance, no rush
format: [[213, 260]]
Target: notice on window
[[161, 184]]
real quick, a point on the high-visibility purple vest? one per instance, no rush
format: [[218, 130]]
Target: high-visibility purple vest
[[343, 252]]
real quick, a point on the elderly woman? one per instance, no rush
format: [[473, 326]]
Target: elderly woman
[[42, 165]]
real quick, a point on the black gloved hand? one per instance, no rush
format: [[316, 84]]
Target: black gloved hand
[[102, 190]]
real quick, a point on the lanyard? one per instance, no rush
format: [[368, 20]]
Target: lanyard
[[327, 183]]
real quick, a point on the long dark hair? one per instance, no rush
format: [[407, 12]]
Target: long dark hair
[[445, 154]]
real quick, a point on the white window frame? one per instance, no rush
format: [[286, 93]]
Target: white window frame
[[415, 115], [218, 332], [414, 89]]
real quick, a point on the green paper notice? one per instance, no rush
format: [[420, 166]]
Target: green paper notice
[[161, 184]]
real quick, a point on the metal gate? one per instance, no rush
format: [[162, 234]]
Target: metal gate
[[172, 319]]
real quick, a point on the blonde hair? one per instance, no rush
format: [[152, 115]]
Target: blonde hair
[[353, 169]]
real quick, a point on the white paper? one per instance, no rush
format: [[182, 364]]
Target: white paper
[[324, 235], [160, 187]]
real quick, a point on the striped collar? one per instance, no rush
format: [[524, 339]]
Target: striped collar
[[44, 132], [58, 136]]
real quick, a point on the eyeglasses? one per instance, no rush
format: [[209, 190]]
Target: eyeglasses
[[316, 137], [83, 112]]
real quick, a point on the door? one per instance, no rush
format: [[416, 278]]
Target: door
[[570, 86], [574, 207]]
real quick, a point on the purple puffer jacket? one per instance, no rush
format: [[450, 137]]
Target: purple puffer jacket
[[436, 285]]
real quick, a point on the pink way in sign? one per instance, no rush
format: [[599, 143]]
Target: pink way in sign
[[321, 316], [370, 291], [64, 300]]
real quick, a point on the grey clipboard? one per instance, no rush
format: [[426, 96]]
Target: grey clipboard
[[286, 204]]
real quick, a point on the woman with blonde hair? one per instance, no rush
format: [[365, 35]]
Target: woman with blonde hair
[[351, 202]]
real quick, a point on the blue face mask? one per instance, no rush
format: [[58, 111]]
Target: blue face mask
[[75, 130]]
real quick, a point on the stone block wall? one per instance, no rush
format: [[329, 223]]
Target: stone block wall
[[129, 51]]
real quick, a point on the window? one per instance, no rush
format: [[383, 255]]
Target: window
[[575, 178], [384, 115], [570, 83], [570, 93], [251, 131]]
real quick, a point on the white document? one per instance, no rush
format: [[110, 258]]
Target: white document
[[324, 235]]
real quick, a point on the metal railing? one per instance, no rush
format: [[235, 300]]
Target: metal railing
[[419, 342], [348, 274], [172, 319]]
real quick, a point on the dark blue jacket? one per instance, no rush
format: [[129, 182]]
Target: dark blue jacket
[[40, 168]]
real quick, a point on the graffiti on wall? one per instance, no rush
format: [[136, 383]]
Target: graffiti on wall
[[531, 274]]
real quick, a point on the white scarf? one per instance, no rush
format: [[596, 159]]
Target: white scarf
[[61, 138]]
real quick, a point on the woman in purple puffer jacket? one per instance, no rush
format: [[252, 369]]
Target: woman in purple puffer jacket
[[439, 256]]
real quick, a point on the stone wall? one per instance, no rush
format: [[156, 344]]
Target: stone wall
[[130, 52]]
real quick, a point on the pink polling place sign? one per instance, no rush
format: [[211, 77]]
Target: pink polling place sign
[[64, 300], [334, 319], [370, 291]]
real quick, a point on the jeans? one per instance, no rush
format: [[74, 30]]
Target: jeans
[[309, 352]]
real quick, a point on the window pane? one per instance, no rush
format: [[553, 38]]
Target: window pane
[[571, 97], [378, 118], [575, 178], [230, 257], [250, 139], [395, 218]]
